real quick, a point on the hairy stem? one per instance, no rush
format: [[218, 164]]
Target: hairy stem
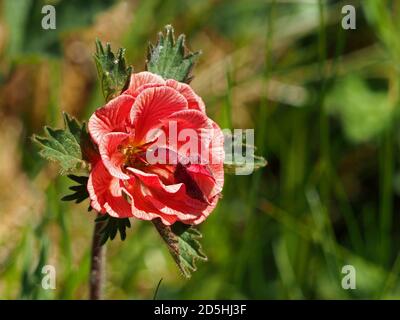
[[97, 266]]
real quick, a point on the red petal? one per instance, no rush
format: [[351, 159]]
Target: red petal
[[204, 214], [194, 101], [112, 117], [142, 208], [198, 180], [217, 156], [151, 106], [140, 79], [168, 199], [106, 194], [112, 158], [193, 133]]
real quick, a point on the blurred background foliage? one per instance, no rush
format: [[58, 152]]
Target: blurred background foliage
[[324, 104]]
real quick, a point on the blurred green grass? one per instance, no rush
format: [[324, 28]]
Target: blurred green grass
[[324, 105]]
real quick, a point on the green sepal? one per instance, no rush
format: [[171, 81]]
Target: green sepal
[[171, 59], [112, 226], [112, 69], [80, 191]]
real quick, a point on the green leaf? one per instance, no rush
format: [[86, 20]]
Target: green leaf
[[183, 244], [63, 145], [112, 226], [170, 59], [112, 69], [244, 167], [242, 160]]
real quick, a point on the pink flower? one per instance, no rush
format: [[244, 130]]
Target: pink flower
[[145, 123]]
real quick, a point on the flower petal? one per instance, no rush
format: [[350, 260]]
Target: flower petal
[[193, 132], [112, 158], [203, 216], [112, 117], [198, 180], [151, 106], [105, 193], [140, 79], [142, 208], [168, 199], [194, 101], [217, 157]]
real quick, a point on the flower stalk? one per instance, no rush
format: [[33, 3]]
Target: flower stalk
[[97, 263]]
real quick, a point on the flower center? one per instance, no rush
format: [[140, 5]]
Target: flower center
[[135, 155]]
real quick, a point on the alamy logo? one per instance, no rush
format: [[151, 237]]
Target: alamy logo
[[349, 20], [49, 278], [349, 280], [49, 20]]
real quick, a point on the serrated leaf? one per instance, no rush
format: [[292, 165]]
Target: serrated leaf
[[240, 158], [183, 244], [63, 145], [112, 69], [169, 58], [244, 167]]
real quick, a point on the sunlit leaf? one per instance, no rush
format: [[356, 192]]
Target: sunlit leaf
[[113, 70], [183, 244], [63, 145], [169, 58]]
